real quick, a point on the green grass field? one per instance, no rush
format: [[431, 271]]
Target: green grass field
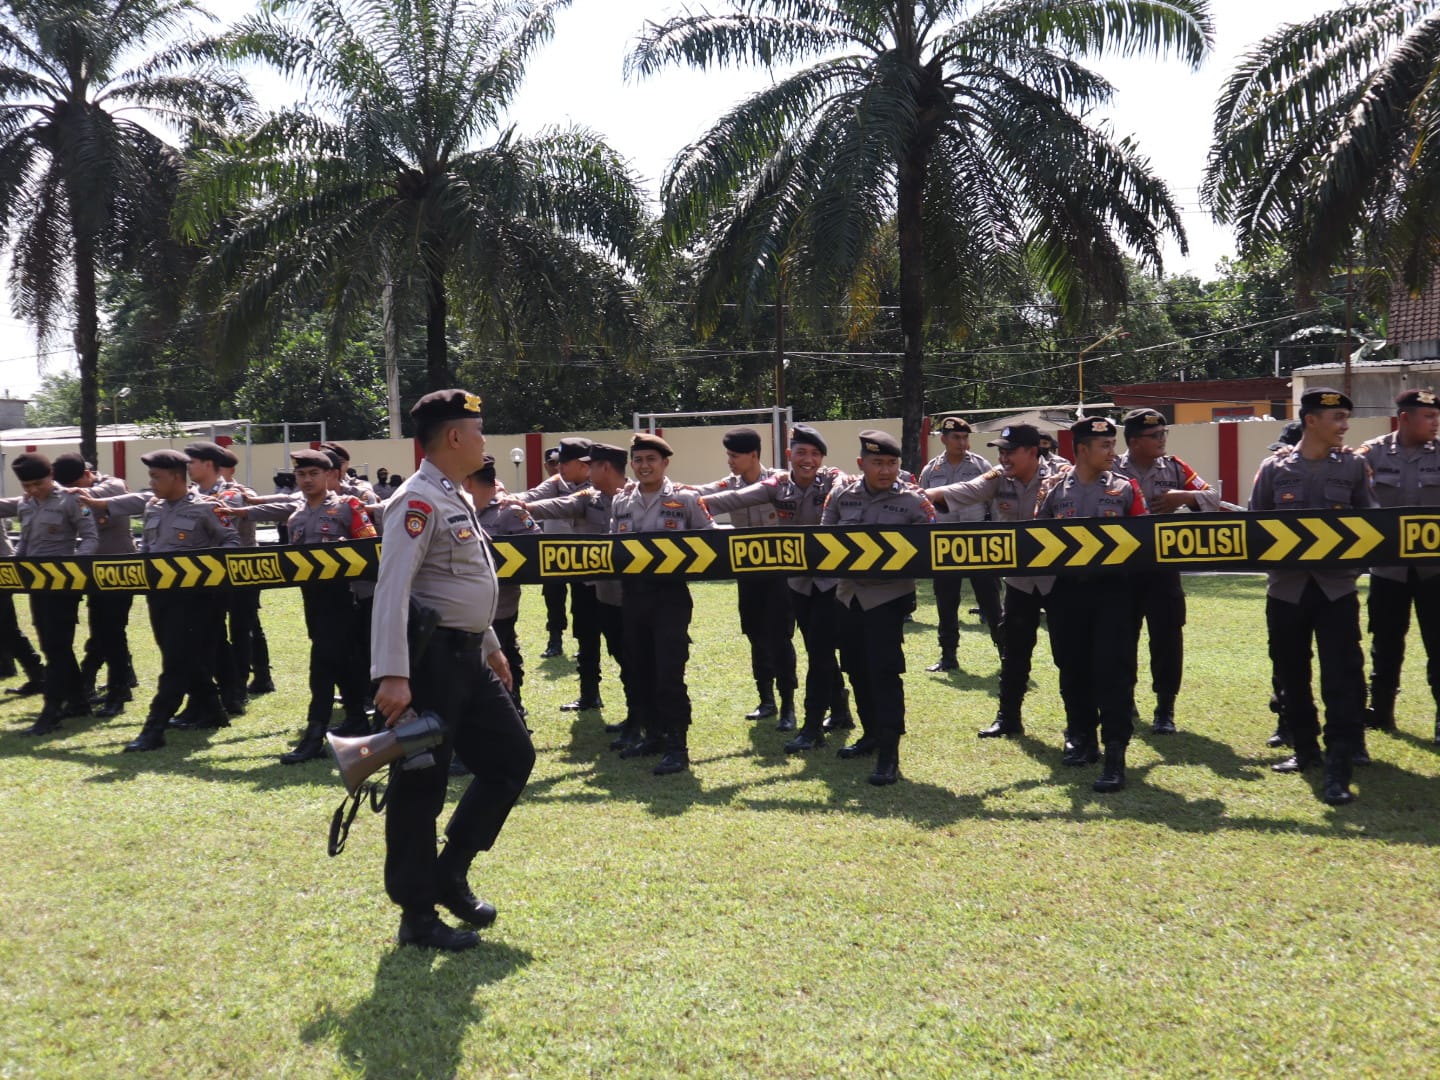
[[175, 914]]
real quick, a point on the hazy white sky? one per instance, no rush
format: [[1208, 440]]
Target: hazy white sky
[[579, 78]]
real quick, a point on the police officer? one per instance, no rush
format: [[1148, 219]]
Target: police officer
[[799, 498], [656, 611], [15, 647], [1322, 605], [501, 514], [327, 517], [349, 484], [570, 476], [872, 612], [239, 608], [1010, 492], [766, 618], [1405, 466], [108, 612], [1169, 485], [53, 522], [957, 464], [435, 555], [1092, 631], [553, 592], [588, 512], [184, 621]]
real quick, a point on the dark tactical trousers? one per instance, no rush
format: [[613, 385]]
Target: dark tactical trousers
[[585, 615], [1334, 626], [818, 617], [948, 589], [186, 627], [484, 730], [329, 621], [242, 610], [1389, 612], [612, 631], [1159, 603], [1092, 634], [14, 645], [873, 655], [108, 645], [1020, 626], [767, 620], [555, 593], [55, 616], [656, 618], [510, 646]]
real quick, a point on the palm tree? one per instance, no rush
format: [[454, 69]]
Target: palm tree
[[1325, 138], [378, 182], [82, 183], [959, 121]]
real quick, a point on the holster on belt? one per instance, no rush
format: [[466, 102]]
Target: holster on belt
[[423, 622]]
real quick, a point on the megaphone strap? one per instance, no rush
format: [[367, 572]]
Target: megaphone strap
[[341, 821]]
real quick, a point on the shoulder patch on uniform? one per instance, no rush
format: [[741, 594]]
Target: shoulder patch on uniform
[[415, 521], [421, 505]]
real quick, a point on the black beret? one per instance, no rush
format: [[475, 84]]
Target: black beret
[[553, 454], [31, 467], [1324, 397], [165, 459], [1017, 435], [207, 451], [808, 436], [954, 423], [878, 442], [442, 405], [573, 449], [1410, 399], [1139, 421], [645, 441], [486, 473], [338, 449], [69, 467], [336, 462], [741, 440], [1092, 427], [612, 455], [1047, 441], [311, 459]]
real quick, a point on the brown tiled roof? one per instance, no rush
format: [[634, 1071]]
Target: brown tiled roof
[[1140, 395], [1414, 318]]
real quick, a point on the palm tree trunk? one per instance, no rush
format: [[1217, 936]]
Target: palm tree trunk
[[87, 342], [391, 331], [437, 350], [912, 307]]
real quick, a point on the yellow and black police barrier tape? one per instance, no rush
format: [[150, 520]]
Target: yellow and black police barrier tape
[[1234, 541]]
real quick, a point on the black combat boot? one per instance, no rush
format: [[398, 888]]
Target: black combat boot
[[947, 662], [553, 648], [1112, 773], [424, 930], [839, 718], [787, 711], [887, 763], [677, 757], [310, 746], [1005, 724], [1381, 714], [151, 737], [766, 708], [1336, 790], [1164, 715], [452, 889], [1306, 756], [861, 747]]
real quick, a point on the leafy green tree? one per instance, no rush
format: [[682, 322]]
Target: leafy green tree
[[1324, 140], [963, 121], [82, 180], [381, 178], [56, 403]]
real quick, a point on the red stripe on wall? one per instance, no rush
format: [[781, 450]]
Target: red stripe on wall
[[1394, 422], [118, 449], [534, 458], [1230, 462], [419, 452], [1065, 443]]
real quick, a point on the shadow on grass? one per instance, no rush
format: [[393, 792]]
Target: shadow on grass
[[416, 1018]]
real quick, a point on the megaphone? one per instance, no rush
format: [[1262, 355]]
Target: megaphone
[[360, 757]]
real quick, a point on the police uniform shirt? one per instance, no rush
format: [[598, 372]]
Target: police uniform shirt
[[507, 517], [552, 487], [1109, 495], [59, 524], [358, 489], [794, 505], [336, 517], [586, 512], [1338, 481], [233, 494], [116, 536], [1403, 477], [941, 472], [1168, 473], [670, 509], [8, 508], [745, 517], [1006, 499], [434, 552], [855, 504], [189, 523]]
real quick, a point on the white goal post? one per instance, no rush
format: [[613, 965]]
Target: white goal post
[[781, 420]]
